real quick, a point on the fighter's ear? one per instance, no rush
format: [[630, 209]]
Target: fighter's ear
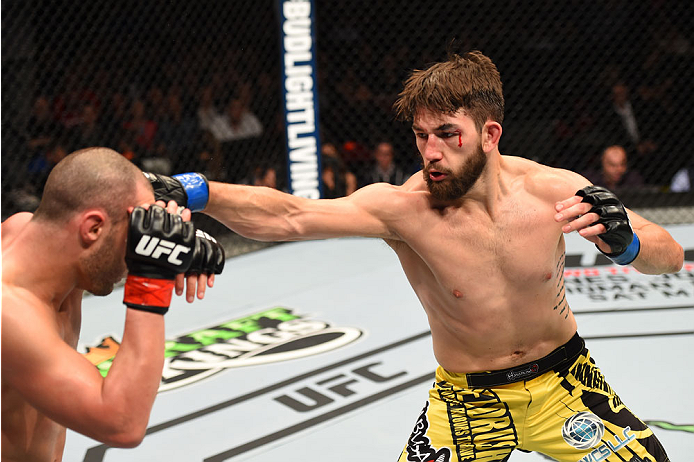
[[491, 133], [91, 226]]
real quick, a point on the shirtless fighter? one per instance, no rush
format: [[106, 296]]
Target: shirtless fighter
[[480, 238], [86, 234]]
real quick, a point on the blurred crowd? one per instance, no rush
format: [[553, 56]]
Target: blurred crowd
[[216, 108], [229, 129]]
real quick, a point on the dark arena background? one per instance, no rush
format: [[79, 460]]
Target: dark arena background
[[204, 86]]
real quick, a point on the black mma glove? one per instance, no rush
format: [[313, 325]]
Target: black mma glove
[[623, 242], [189, 190], [160, 245], [208, 257]]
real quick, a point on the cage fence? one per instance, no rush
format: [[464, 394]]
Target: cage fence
[[196, 86]]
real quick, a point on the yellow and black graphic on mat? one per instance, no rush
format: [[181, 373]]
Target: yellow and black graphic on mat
[[277, 334], [482, 424]]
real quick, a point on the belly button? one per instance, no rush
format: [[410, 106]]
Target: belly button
[[457, 293]]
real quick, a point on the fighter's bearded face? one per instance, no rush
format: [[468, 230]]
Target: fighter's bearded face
[[452, 154], [106, 265], [456, 182]]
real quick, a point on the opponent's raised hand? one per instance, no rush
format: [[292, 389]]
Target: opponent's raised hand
[[208, 260], [160, 246]]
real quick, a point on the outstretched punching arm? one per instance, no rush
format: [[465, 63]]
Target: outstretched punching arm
[[267, 214]]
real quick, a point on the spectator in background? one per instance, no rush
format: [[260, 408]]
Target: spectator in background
[[624, 123], [683, 179], [208, 155], [176, 132], [27, 195], [41, 128], [141, 127], [156, 104], [263, 175], [630, 123], [385, 170], [266, 105], [353, 97], [266, 174], [240, 122], [358, 159], [338, 181], [614, 173], [125, 142], [209, 121], [208, 115], [114, 116], [89, 132], [237, 122], [75, 94]]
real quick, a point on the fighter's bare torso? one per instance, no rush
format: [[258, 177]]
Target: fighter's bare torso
[[489, 274], [27, 434]]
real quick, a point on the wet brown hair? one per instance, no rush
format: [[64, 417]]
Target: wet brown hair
[[90, 178], [470, 82]]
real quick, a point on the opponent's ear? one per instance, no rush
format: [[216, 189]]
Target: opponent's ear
[[91, 226], [491, 133]]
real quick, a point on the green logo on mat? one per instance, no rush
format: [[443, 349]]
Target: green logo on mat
[[671, 426], [277, 334]]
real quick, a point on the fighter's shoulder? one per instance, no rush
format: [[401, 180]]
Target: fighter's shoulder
[[31, 334], [21, 306], [392, 196], [12, 225], [552, 184]]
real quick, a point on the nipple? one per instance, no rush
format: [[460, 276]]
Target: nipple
[[457, 293]]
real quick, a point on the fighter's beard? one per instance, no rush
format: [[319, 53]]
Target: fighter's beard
[[104, 267], [457, 184]]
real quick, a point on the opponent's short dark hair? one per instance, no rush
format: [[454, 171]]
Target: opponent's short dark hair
[[90, 178], [470, 82]]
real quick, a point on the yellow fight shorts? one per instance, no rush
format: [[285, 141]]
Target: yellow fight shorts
[[559, 405]]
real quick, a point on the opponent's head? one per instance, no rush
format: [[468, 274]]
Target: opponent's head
[[90, 191], [457, 108]]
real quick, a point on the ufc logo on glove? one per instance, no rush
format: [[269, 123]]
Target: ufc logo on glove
[[155, 248]]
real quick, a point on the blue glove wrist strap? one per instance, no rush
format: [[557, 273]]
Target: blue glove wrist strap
[[196, 188], [629, 254]]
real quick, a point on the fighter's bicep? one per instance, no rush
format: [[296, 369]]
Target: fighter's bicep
[[341, 218], [362, 213], [48, 373]]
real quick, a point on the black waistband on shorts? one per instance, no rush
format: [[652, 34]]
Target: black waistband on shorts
[[565, 355]]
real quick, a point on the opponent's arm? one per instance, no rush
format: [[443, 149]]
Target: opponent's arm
[[621, 234], [60, 383]]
